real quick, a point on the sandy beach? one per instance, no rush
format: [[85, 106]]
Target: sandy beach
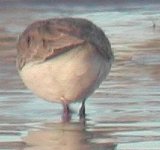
[[123, 114]]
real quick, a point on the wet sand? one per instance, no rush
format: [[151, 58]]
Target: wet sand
[[122, 114]]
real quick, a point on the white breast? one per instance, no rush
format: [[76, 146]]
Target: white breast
[[71, 76]]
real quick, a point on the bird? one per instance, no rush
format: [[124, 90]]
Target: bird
[[64, 60]]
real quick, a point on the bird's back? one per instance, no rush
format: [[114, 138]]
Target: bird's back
[[43, 40]]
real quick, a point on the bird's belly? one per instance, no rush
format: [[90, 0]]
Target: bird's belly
[[68, 77]]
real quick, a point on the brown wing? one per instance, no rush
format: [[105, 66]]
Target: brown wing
[[42, 42], [60, 45]]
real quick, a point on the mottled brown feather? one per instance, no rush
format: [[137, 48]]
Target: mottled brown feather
[[46, 39]]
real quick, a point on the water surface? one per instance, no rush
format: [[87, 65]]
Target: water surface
[[122, 114]]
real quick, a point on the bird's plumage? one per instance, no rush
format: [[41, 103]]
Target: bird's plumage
[[43, 40], [63, 60]]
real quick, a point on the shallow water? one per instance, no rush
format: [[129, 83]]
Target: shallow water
[[122, 114]]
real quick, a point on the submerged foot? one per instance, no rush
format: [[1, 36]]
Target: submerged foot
[[66, 113], [82, 110]]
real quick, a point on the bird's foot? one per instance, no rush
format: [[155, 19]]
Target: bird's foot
[[82, 113], [66, 113]]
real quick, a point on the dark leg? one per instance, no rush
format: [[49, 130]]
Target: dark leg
[[82, 110], [66, 113]]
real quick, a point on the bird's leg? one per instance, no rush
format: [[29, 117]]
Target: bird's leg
[[82, 109], [66, 113]]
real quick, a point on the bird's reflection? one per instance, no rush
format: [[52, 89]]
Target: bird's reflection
[[64, 136]]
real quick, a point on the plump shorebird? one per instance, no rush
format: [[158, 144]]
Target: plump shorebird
[[64, 60]]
